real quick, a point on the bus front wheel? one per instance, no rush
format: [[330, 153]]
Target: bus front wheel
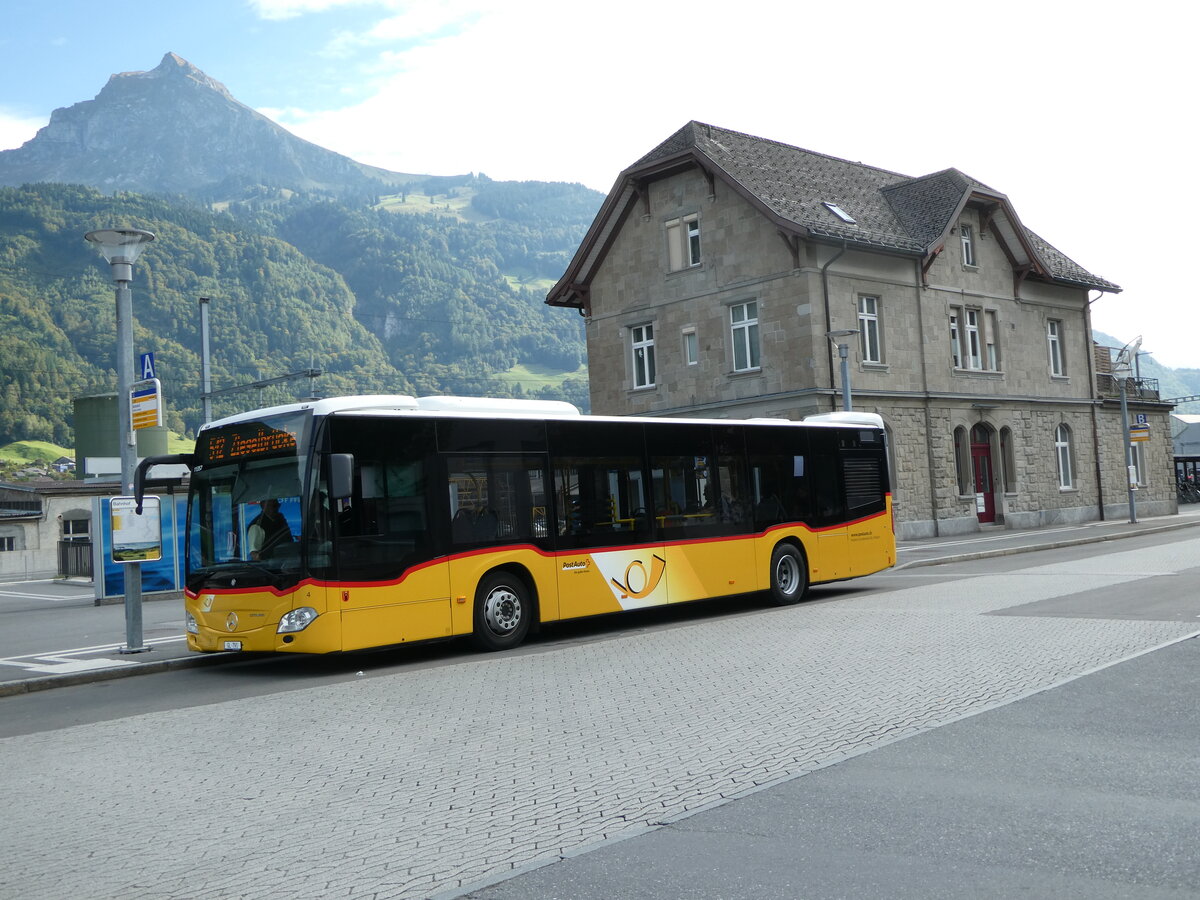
[[503, 611], [789, 575]]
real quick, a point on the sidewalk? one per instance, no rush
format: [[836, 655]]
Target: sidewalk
[[996, 541], [36, 667]]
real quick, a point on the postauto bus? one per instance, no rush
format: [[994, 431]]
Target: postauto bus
[[417, 519]]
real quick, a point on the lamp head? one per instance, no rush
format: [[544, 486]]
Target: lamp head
[[120, 245], [1128, 353]]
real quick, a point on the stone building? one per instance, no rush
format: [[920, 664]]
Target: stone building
[[721, 268], [47, 527]]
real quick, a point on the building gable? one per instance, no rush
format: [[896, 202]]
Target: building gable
[[812, 196]]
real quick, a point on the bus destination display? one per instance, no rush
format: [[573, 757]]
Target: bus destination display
[[249, 440]]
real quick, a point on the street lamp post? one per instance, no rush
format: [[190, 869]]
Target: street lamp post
[[844, 352], [121, 248], [1122, 368]]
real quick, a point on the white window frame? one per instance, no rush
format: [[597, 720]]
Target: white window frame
[[8, 543], [1063, 457], [691, 347], [968, 245], [641, 345], [975, 339], [955, 346], [869, 344], [1054, 344], [744, 336], [683, 243], [974, 344]]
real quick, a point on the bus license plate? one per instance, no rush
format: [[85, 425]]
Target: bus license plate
[[233, 645]]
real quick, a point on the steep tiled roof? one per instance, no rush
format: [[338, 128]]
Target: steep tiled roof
[[891, 211]]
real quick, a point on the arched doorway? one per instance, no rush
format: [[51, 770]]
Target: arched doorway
[[981, 467]]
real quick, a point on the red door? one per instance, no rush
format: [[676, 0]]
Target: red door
[[981, 464]]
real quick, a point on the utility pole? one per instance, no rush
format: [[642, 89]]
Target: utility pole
[[205, 364]]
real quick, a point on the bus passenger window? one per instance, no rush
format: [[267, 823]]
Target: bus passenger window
[[496, 498], [600, 501]]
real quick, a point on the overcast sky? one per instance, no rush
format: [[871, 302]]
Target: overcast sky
[[1077, 111]]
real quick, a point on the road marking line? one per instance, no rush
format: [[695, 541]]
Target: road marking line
[[79, 651], [23, 596]]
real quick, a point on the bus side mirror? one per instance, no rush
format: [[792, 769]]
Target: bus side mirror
[[341, 475]]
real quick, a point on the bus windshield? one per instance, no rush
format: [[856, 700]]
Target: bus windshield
[[244, 519]]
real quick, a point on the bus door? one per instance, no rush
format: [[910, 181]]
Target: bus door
[[387, 583], [607, 557], [698, 488], [827, 511]]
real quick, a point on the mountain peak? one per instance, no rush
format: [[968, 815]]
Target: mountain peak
[[174, 129], [173, 66]]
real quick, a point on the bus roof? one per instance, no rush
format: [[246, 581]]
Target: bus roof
[[420, 407], [404, 403], [846, 417]]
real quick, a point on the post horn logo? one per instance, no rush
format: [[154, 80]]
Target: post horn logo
[[636, 572]]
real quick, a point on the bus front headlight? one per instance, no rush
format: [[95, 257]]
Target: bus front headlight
[[189, 622], [296, 620]]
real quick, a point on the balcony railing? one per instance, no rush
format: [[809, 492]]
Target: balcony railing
[[1135, 388]]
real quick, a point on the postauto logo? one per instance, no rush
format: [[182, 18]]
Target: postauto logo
[[634, 580]]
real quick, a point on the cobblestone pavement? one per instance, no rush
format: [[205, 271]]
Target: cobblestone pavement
[[431, 782]]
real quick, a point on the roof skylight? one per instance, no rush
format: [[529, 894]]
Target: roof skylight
[[839, 212]]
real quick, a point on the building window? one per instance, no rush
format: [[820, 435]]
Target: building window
[[76, 530], [7, 544], [683, 243], [643, 355], [1062, 455], [1054, 340], [691, 347], [962, 462], [955, 341], [743, 318], [974, 339], [968, 244], [992, 353], [973, 357], [1008, 459], [868, 330]]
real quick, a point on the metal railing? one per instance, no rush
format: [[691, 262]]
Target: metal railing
[[1135, 388]]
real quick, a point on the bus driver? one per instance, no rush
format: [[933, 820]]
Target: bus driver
[[267, 530]]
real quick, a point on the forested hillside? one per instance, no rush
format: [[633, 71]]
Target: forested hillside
[[381, 301]]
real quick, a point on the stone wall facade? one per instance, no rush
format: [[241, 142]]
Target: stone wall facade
[[1009, 381]]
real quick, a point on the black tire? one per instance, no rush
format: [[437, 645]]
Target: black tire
[[503, 611], [789, 576]]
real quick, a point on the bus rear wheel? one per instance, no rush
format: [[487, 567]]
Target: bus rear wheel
[[789, 575], [503, 611]]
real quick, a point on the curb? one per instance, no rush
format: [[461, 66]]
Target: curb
[[47, 682]]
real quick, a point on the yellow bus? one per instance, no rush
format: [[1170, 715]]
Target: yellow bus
[[358, 522]]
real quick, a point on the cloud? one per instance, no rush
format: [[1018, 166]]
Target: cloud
[[15, 129], [290, 9]]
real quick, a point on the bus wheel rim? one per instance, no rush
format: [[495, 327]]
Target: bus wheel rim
[[787, 575], [502, 610]]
